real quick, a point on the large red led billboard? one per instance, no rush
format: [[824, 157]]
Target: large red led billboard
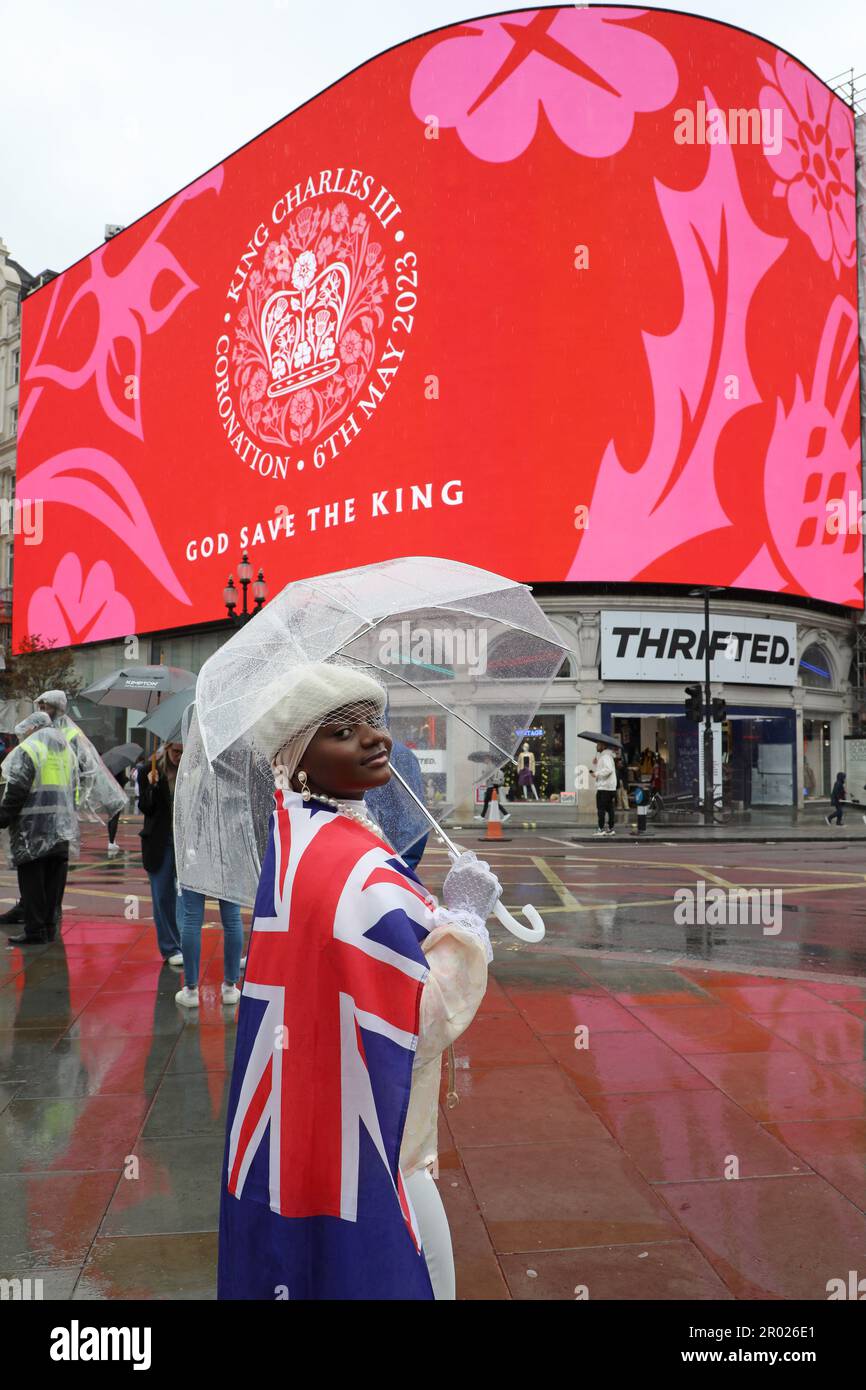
[[570, 294]]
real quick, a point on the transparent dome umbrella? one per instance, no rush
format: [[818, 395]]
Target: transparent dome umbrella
[[466, 657]]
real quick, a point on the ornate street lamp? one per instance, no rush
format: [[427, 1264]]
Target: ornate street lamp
[[245, 579]]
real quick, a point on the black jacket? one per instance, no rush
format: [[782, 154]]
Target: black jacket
[[154, 802]]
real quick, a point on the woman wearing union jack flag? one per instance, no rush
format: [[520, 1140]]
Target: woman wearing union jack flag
[[356, 982]]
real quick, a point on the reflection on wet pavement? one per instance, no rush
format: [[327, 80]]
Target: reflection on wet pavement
[[647, 1110]]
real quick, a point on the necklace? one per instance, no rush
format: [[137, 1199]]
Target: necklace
[[357, 813]]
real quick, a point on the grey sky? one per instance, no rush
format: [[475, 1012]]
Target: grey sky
[[109, 106]]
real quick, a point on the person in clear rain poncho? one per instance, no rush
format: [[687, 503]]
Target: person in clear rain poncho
[[357, 981], [97, 793], [40, 786]]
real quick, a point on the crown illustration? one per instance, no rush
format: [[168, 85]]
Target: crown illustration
[[301, 326]]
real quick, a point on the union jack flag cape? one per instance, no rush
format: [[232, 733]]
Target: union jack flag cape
[[313, 1203]]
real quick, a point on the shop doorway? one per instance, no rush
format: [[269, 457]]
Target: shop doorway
[[661, 752], [817, 771]]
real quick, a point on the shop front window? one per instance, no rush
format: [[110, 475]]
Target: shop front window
[[758, 760], [815, 670], [539, 774], [753, 756]]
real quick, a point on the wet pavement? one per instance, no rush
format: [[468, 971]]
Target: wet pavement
[[647, 1109]]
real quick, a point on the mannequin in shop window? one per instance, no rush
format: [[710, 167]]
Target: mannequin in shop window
[[526, 771], [658, 780]]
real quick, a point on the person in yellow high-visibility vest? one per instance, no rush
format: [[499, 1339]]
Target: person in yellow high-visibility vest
[[38, 808], [98, 794]]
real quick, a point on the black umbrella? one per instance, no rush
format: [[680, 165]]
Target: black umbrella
[[138, 687], [116, 759], [166, 721], [606, 739]]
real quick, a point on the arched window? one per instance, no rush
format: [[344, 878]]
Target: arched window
[[815, 668]]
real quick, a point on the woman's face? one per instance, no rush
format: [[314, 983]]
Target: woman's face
[[346, 758], [174, 751]]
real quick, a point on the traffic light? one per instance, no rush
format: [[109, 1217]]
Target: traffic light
[[720, 710], [694, 703]]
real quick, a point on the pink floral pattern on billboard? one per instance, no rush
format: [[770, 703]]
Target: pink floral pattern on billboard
[[672, 498], [120, 309], [814, 459], [815, 166], [76, 608], [587, 71]]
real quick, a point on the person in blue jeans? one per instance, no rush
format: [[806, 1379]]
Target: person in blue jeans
[[191, 919], [156, 803]]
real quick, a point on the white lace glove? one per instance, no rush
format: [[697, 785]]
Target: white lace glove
[[471, 886], [470, 893]]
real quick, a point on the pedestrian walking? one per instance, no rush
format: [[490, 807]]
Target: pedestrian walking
[[39, 809], [837, 797], [604, 771], [374, 982], [156, 803], [497, 780], [114, 822]]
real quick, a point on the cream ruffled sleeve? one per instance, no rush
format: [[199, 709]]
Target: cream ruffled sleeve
[[452, 993]]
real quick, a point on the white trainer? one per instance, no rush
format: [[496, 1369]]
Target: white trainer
[[598, 832], [175, 959], [187, 997], [230, 993], [113, 851]]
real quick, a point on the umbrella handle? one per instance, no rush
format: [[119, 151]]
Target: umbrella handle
[[535, 930]]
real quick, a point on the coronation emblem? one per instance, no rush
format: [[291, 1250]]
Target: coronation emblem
[[319, 310]]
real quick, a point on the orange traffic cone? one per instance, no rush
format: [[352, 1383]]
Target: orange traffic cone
[[494, 821]]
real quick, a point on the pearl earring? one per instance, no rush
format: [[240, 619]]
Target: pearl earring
[[306, 794]]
